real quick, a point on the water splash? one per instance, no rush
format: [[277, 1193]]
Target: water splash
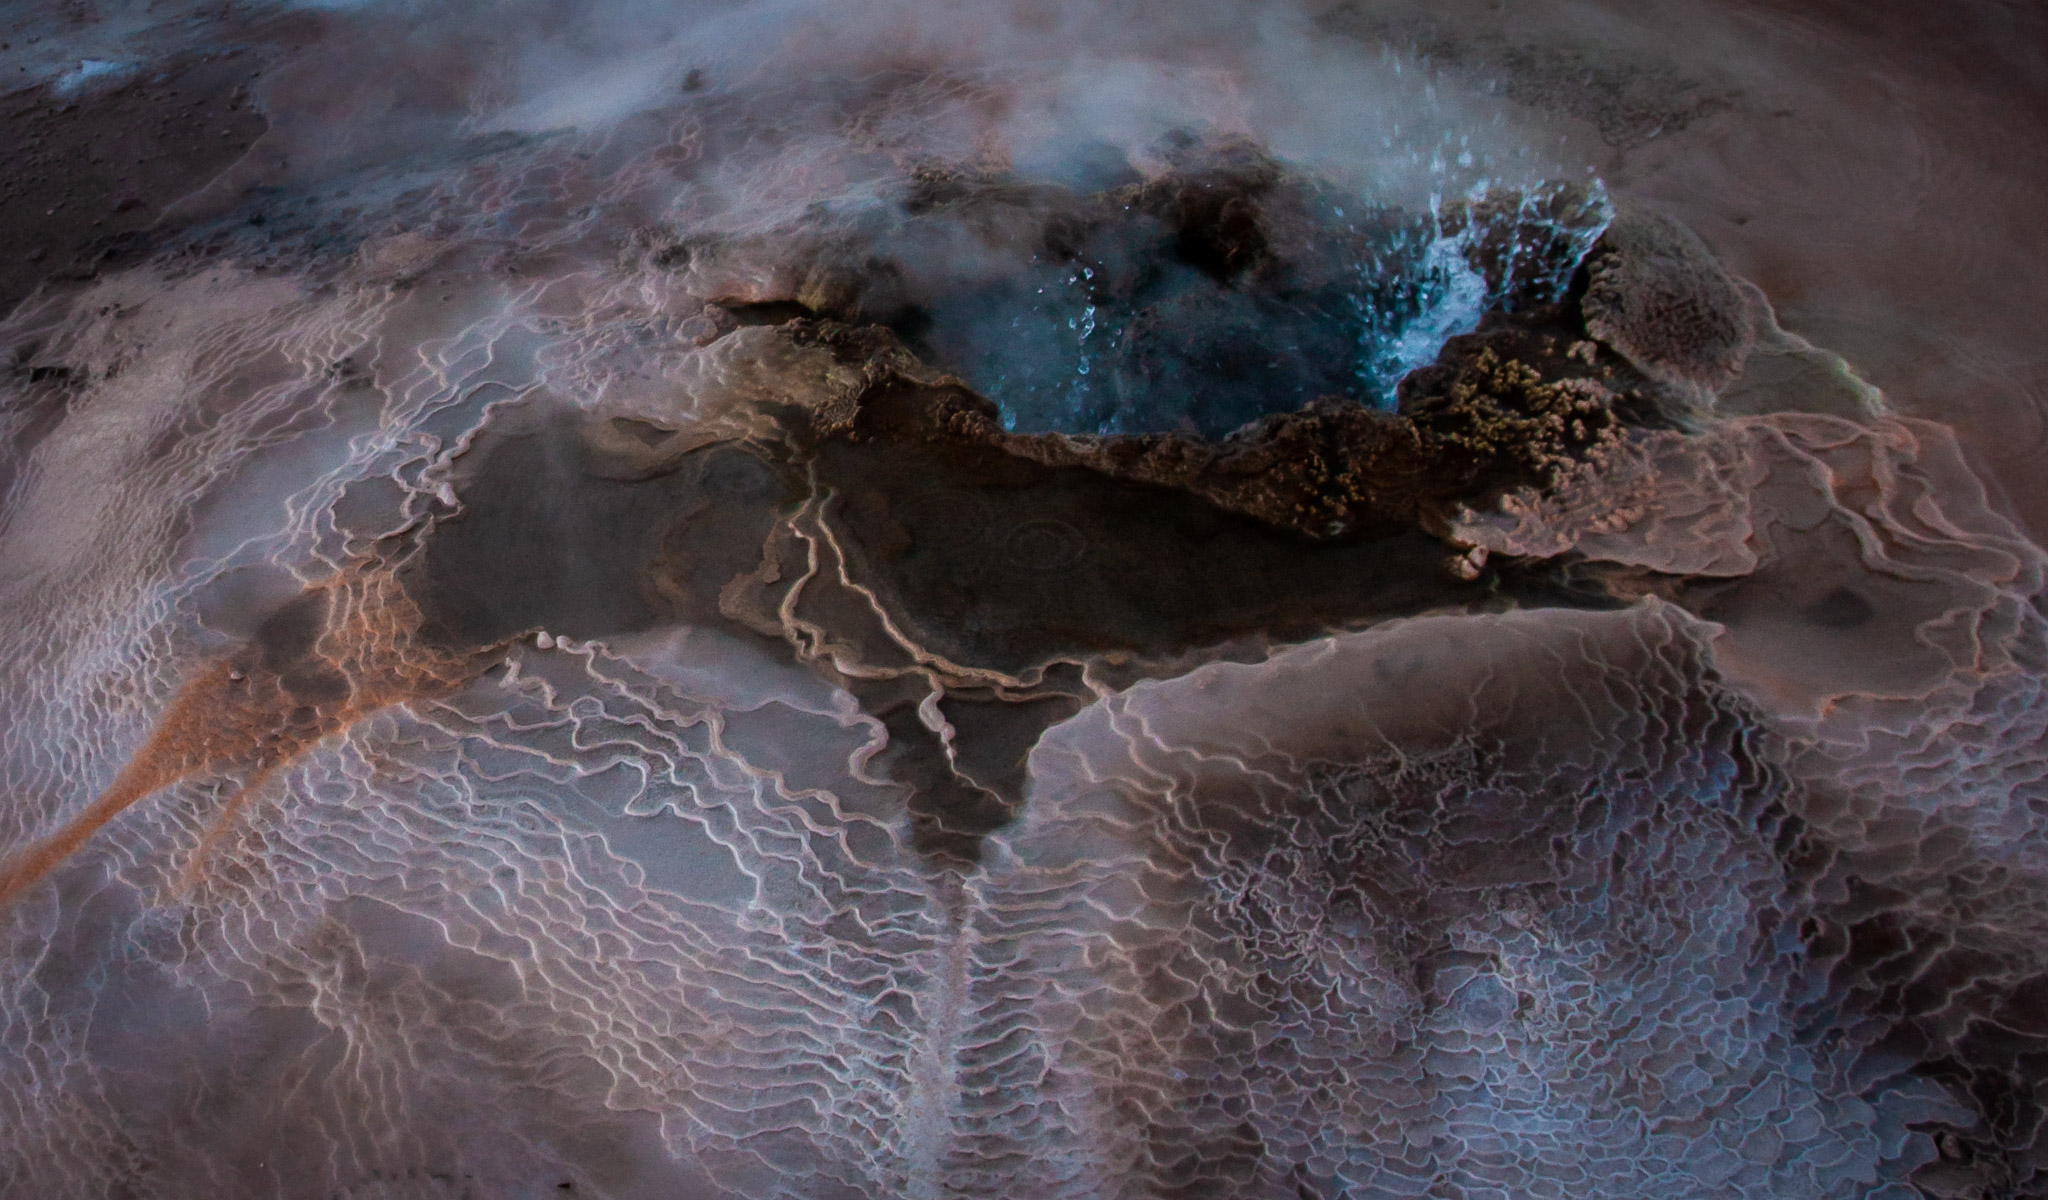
[[1130, 337]]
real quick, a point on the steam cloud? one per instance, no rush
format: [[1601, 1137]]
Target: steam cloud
[[674, 600]]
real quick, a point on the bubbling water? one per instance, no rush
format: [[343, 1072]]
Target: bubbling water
[[1228, 289]]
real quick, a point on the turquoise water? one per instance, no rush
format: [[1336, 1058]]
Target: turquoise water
[[1126, 335]]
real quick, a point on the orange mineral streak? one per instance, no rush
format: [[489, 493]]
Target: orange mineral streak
[[195, 868], [243, 716]]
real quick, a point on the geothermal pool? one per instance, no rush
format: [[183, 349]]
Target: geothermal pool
[[1053, 599]]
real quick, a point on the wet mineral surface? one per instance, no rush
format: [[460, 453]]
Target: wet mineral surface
[[745, 604]]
